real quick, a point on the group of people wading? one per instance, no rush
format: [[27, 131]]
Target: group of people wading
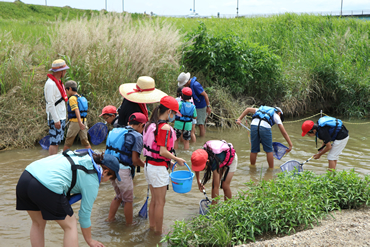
[[48, 187]]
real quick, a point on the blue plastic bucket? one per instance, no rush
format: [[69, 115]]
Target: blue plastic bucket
[[182, 180]]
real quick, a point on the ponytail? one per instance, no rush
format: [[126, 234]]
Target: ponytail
[[212, 158]]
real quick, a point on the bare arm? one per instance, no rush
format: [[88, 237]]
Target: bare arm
[[86, 232], [136, 159], [165, 153], [245, 113], [200, 185], [326, 149], [286, 136], [205, 95]]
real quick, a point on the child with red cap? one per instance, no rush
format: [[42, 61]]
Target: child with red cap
[[109, 114], [328, 129], [126, 144], [159, 139], [183, 124], [218, 158]]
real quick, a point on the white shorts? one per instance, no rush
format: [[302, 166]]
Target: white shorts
[[157, 176], [337, 148], [234, 164]]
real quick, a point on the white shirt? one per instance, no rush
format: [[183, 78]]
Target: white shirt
[[52, 95], [265, 124]]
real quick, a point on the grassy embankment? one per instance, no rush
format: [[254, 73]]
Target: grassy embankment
[[304, 63], [279, 206]]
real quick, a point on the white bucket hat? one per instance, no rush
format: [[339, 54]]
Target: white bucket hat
[[143, 91], [183, 79]]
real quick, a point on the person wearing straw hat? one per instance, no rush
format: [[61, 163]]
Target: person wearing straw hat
[[263, 119], [55, 97], [201, 100], [136, 96]]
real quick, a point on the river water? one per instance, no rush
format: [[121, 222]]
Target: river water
[[15, 225]]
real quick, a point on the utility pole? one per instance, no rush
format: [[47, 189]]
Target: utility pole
[[106, 5], [123, 6], [237, 8], [194, 6], [46, 3], [341, 7]]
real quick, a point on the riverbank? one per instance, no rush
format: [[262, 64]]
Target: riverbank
[[348, 228]]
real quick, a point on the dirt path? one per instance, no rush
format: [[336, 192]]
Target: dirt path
[[349, 228]]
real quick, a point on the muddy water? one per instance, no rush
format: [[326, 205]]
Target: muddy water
[[15, 225]]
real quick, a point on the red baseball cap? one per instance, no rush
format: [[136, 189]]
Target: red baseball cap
[[187, 91], [307, 126], [138, 117], [109, 109], [198, 160], [171, 103]]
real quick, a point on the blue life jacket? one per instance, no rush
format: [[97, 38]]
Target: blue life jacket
[[266, 113], [187, 111], [115, 146], [335, 125], [82, 107], [195, 97]]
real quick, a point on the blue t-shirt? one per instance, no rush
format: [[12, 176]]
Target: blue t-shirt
[[197, 90], [133, 142]]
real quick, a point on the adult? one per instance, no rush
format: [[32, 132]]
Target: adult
[[263, 119], [200, 97], [328, 129], [136, 96], [55, 97], [45, 186]]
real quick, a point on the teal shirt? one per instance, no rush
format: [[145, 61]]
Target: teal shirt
[[188, 125], [55, 173]]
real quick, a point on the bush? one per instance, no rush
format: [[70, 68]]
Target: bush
[[278, 206]]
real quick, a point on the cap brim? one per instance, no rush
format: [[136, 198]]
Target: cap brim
[[304, 133], [198, 168], [118, 176], [146, 97]]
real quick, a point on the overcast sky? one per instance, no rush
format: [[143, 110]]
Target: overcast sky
[[212, 7]]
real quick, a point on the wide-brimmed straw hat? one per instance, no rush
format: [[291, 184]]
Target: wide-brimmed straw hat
[[143, 91], [183, 79], [58, 65]]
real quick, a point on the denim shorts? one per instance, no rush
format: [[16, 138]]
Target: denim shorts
[[262, 135], [56, 135]]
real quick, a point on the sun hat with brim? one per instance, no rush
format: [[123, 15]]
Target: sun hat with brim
[[183, 79], [109, 109], [112, 163], [307, 126], [58, 65], [198, 160], [143, 91], [171, 103]]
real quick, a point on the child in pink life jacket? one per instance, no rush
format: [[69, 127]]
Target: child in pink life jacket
[[159, 138], [217, 158]]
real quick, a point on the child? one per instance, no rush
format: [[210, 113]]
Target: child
[[126, 145], [262, 120], [328, 129], [183, 124], [109, 114], [194, 122], [159, 139], [77, 112], [217, 158]]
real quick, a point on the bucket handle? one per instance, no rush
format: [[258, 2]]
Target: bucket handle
[[184, 163]]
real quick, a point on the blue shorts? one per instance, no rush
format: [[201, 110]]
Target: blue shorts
[[56, 135], [264, 136]]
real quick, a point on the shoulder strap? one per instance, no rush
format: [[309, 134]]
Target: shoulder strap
[[74, 168], [58, 101]]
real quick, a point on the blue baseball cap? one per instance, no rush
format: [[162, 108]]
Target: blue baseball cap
[[112, 163]]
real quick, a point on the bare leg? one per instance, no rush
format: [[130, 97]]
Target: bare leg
[[332, 164], [69, 225], [226, 186], [151, 209], [176, 146], [193, 137], [202, 130], [65, 147], [53, 149], [128, 211], [253, 158], [114, 205], [186, 145], [37, 236], [88, 147], [160, 200], [270, 159]]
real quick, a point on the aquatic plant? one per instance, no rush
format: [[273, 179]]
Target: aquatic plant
[[278, 206]]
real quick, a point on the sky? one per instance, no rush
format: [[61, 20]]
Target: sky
[[212, 7]]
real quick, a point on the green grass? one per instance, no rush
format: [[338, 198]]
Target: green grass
[[278, 206]]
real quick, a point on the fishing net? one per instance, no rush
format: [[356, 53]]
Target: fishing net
[[45, 142], [291, 165], [278, 150], [204, 206], [97, 133]]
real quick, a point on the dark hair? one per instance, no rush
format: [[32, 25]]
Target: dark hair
[[211, 159], [134, 122], [185, 97], [154, 118], [74, 89], [179, 91], [98, 160], [314, 127]]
